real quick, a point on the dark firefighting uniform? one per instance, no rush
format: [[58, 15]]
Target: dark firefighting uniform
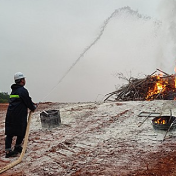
[[16, 117]]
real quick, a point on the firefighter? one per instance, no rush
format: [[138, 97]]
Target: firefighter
[[16, 116]]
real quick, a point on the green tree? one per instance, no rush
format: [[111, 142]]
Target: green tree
[[4, 97]]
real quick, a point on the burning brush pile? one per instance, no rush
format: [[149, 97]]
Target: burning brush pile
[[157, 86]]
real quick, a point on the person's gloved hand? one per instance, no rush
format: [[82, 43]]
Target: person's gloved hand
[[35, 105]]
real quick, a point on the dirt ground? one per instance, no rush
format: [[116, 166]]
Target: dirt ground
[[96, 139]]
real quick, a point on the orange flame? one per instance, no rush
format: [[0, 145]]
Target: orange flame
[[162, 86], [159, 87], [175, 69], [160, 121], [175, 77]]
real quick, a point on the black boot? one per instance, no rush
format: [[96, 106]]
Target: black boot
[[11, 153], [18, 149]]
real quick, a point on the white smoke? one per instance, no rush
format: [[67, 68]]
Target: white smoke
[[167, 42]]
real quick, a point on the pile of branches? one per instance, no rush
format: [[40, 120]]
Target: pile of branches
[[139, 89]]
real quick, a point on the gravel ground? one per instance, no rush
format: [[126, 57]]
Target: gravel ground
[[97, 139]]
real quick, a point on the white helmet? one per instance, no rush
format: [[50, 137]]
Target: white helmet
[[18, 75]]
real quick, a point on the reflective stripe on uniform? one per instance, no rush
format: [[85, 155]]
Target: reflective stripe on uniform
[[14, 96]]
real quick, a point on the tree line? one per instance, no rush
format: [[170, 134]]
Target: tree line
[[4, 97]]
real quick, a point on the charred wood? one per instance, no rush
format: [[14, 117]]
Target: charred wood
[[154, 86]]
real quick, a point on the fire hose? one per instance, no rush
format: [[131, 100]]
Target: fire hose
[[14, 163]]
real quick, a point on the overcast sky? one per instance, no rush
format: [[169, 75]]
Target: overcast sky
[[43, 38]]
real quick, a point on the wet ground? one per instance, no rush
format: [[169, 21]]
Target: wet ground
[[97, 139]]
